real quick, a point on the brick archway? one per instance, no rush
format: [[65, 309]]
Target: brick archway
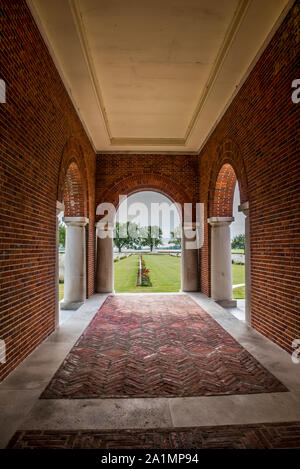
[[226, 168], [72, 184], [224, 175], [222, 204], [142, 182]]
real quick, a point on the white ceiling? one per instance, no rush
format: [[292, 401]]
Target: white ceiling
[[153, 75]]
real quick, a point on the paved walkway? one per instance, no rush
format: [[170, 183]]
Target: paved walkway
[[21, 408]]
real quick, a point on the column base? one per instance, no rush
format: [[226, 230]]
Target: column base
[[227, 303], [71, 306]]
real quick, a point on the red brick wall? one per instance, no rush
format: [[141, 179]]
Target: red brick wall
[[40, 134], [224, 192], [174, 175], [261, 128]]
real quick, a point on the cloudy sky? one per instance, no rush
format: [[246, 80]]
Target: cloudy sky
[[238, 226], [139, 211]]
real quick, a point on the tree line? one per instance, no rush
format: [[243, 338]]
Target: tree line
[[130, 236]]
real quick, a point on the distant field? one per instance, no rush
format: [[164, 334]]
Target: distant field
[[165, 274], [238, 277], [237, 251]]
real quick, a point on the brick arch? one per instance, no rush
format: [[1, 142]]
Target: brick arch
[[142, 182], [73, 185], [73, 192], [224, 175]]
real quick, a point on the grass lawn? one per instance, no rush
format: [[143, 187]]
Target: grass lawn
[[238, 274], [164, 274], [238, 293], [237, 251], [61, 291]]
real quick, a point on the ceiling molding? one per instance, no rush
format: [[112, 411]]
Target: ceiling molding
[[89, 61], [148, 152], [42, 30], [230, 34], [249, 70], [190, 142], [147, 141], [115, 141]]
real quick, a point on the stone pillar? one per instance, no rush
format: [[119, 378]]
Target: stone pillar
[[221, 267], [105, 259], [59, 208], [189, 259], [245, 209], [75, 263]]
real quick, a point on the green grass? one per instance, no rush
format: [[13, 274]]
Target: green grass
[[164, 274], [238, 274], [238, 293], [61, 291], [237, 251]]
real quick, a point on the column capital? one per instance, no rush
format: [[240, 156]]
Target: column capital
[[220, 221], [76, 221], [244, 208]]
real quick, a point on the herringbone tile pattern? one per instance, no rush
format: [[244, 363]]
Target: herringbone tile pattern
[[157, 346], [259, 436]]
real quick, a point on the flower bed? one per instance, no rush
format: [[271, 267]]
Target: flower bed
[[143, 278]]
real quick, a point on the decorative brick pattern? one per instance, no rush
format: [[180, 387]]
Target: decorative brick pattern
[[256, 436], [157, 346]]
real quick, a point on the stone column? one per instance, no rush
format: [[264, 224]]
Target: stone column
[[221, 267], [245, 209], [105, 259], [59, 208], [75, 263], [189, 259]]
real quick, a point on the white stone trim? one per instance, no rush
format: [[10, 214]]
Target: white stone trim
[[76, 221], [215, 221]]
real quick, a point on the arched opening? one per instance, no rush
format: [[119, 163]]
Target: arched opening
[[147, 244], [72, 224], [238, 256], [225, 204], [175, 195]]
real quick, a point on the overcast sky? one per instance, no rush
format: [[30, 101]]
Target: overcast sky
[[238, 226], [139, 211]]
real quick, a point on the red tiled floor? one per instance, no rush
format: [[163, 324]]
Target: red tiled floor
[[157, 346], [255, 436]]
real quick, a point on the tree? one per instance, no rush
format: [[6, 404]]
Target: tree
[[125, 235], [150, 236], [62, 235], [238, 242], [176, 237]]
